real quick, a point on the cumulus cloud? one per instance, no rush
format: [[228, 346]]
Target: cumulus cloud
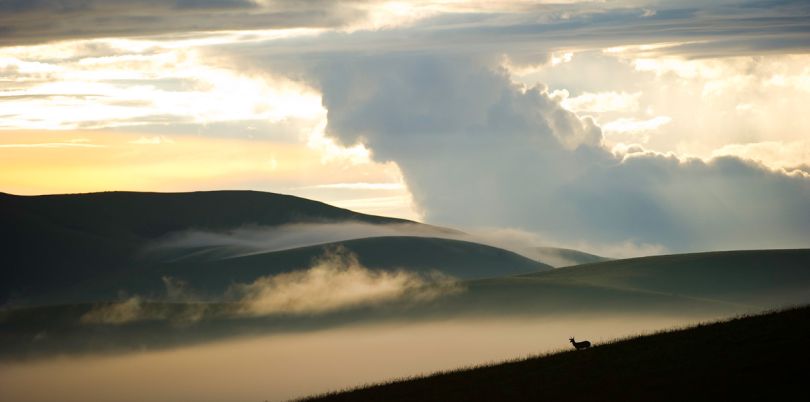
[[337, 281], [789, 155], [602, 102], [503, 155]]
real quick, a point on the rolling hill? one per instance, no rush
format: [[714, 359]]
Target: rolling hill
[[209, 274], [700, 284], [564, 257], [754, 358], [90, 247], [747, 277]]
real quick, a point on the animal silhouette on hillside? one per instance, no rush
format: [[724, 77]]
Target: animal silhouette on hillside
[[580, 345]]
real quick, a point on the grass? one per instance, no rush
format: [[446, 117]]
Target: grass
[[762, 357]]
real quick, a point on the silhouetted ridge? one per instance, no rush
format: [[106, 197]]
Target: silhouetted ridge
[[144, 214]]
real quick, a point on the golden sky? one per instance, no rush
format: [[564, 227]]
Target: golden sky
[[44, 162]]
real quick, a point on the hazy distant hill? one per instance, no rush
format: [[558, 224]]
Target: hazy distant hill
[[751, 277], [756, 358], [563, 257], [82, 247], [720, 282]]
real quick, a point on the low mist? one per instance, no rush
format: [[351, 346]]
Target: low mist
[[334, 281], [337, 281], [279, 367], [251, 240]]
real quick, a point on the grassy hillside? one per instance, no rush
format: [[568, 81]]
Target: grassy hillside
[[754, 358]]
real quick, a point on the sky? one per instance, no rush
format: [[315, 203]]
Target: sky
[[624, 127]]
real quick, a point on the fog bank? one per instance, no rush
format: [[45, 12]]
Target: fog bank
[[279, 367]]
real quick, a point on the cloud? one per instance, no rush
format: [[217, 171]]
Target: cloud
[[337, 281], [788, 155], [361, 186], [53, 145], [504, 155], [156, 140], [628, 129], [629, 125], [602, 102], [118, 83]]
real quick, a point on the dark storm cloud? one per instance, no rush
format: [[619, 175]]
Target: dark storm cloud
[[692, 30], [34, 21], [476, 149], [719, 28]]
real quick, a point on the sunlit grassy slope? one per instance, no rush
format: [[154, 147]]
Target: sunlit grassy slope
[[757, 358]]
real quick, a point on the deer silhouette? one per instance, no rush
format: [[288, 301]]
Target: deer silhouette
[[580, 345]]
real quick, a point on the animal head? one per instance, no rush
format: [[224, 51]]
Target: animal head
[[571, 339]]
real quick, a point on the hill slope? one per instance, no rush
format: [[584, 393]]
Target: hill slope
[[703, 284], [52, 241], [745, 277], [210, 277], [90, 247], [753, 358], [564, 257]]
